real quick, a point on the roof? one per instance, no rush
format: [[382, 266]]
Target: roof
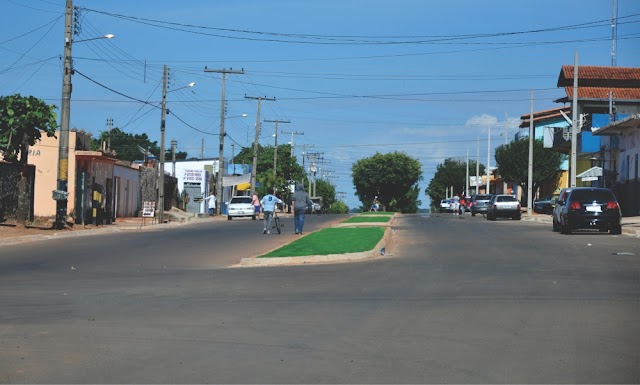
[[597, 76], [592, 172], [617, 127], [596, 82], [543, 116]]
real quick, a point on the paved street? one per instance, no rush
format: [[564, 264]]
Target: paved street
[[457, 299]]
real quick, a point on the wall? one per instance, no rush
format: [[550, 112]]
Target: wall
[[44, 156]]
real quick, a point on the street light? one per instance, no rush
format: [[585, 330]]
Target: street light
[[163, 117], [61, 194]]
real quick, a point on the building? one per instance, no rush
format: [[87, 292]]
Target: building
[[604, 95], [626, 133]]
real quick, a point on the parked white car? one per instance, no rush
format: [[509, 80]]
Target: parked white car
[[240, 206]]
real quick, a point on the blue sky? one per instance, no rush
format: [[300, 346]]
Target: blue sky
[[427, 78]]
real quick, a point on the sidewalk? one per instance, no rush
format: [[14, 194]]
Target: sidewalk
[[630, 225]]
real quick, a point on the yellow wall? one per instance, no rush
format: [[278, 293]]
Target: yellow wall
[[44, 155]]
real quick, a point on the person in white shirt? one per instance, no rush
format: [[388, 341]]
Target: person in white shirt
[[268, 204], [211, 204]]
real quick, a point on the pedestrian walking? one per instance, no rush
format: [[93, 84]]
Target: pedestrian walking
[[211, 204], [268, 204], [301, 203], [456, 205], [256, 204]]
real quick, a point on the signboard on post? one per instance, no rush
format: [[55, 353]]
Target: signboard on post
[[148, 209]]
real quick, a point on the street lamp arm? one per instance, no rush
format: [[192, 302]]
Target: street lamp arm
[[107, 36]]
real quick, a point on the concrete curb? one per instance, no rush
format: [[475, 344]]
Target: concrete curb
[[385, 242]]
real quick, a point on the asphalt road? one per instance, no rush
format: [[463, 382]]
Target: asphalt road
[[460, 300]]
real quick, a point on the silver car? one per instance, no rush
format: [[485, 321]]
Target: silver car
[[504, 206], [479, 204]]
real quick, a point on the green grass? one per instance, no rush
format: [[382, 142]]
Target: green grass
[[331, 241], [366, 219], [377, 213]]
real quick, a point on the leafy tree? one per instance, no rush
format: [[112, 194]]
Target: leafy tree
[[393, 177], [338, 207], [513, 164], [126, 145], [23, 120], [450, 173], [287, 168], [325, 190]]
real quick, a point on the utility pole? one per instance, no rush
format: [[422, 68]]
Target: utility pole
[[63, 143], [489, 161], [219, 190], [292, 134], [254, 168], [466, 179], [275, 150], [478, 166], [163, 118], [174, 143], [506, 142], [530, 176], [574, 122], [109, 128], [614, 31]]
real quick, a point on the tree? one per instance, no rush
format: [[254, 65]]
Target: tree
[[126, 145], [23, 120], [338, 207], [287, 168], [325, 190], [392, 177], [450, 173], [513, 164]]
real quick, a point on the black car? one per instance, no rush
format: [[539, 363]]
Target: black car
[[545, 205], [587, 208]]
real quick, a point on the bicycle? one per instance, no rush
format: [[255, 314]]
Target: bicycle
[[276, 222]]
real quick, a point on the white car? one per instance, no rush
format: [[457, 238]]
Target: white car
[[241, 206]]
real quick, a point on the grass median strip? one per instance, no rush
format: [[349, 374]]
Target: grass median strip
[[390, 213], [367, 219], [331, 241]]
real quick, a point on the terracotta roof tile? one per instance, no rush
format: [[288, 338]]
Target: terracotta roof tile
[[603, 92], [626, 77]]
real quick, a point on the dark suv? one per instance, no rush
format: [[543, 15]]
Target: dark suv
[[587, 208]]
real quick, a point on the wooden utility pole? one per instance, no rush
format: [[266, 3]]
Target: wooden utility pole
[[255, 141], [219, 190], [275, 150]]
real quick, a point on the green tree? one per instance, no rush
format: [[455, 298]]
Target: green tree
[[325, 190], [287, 168], [392, 177], [126, 145], [23, 120], [452, 172], [338, 207], [512, 160]]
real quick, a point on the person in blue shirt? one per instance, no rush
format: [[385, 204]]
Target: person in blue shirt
[[268, 204]]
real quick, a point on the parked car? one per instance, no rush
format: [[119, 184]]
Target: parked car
[[479, 204], [587, 208], [545, 204], [318, 205], [504, 206], [446, 205], [241, 206]]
